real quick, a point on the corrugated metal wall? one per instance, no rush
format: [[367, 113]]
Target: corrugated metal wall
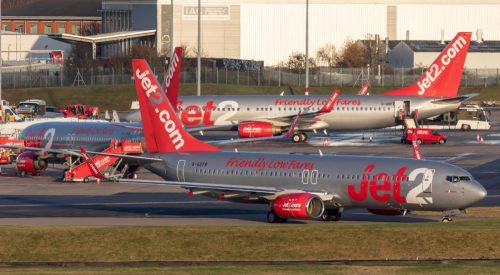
[[426, 21], [270, 32]]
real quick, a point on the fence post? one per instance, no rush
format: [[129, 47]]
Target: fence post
[[279, 76], [217, 75], [91, 76], [113, 76], [497, 76], [258, 78], [226, 75], [238, 77]]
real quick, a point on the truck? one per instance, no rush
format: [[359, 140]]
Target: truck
[[31, 108]]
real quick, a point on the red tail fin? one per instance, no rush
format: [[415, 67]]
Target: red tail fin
[[172, 75], [442, 78], [163, 131]]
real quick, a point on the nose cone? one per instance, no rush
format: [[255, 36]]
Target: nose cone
[[476, 193]]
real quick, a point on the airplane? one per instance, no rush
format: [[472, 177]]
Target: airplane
[[433, 94], [295, 186]]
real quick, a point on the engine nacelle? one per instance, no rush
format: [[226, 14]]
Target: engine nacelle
[[255, 129], [28, 162], [386, 212], [298, 206]]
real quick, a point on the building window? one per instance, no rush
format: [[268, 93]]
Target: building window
[[75, 29], [33, 28], [20, 28], [47, 28], [61, 28]]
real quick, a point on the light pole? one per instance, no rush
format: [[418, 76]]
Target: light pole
[[198, 71], [306, 89], [1, 63]]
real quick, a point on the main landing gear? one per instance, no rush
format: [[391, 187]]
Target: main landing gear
[[273, 218], [299, 137], [331, 215]]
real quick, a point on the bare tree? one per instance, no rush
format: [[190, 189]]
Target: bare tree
[[327, 55], [352, 54]]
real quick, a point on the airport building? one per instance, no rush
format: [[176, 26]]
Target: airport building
[[271, 30]]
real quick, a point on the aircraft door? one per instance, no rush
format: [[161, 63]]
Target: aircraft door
[[305, 176], [427, 181], [314, 176], [180, 170], [398, 108]]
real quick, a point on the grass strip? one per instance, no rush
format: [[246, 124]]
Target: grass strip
[[259, 269], [119, 97], [461, 239]]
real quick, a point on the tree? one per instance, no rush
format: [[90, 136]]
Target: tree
[[297, 62], [327, 55], [352, 54]]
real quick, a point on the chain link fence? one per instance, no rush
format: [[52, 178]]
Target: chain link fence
[[52, 75]]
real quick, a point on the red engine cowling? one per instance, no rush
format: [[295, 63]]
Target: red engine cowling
[[298, 206], [386, 212], [254, 129], [28, 162]]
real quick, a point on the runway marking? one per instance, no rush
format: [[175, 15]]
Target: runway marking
[[461, 156], [114, 203]]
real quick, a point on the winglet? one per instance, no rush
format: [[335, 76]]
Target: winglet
[[293, 126], [92, 166], [364, 89], [416, 149], [328, 107]]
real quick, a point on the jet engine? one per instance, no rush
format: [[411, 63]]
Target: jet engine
[[255, 129], [298, 206], [28, 162], [386, 212]]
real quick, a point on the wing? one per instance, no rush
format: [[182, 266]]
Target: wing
[[233, 191], [43, 151]]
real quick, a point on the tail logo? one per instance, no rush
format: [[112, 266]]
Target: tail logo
[[156, 98], [435, 70], [171, 70]]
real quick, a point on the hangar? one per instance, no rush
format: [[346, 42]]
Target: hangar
[[271, 30]]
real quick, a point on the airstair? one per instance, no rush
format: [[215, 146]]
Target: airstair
[[108, 165]]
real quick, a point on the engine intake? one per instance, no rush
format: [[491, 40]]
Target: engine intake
[[298, 206], [28, 162], [255, 129]]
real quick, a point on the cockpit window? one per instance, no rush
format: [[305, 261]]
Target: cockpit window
[[456, 179]]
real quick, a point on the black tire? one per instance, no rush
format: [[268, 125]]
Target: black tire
[[465, 127], [419, 141], [271, 217], [326, 216], [447, 219], [86, 179], [442, 141]]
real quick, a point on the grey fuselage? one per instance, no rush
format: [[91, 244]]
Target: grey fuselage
[[93, 136], [375, 182], [351, 112]]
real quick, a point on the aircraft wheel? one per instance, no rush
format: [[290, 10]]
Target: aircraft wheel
[[326, 216], [303, 137], [447, 219], [296, 138], [272, 217]]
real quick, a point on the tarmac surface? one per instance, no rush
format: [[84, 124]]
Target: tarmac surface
[[46, 201]]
